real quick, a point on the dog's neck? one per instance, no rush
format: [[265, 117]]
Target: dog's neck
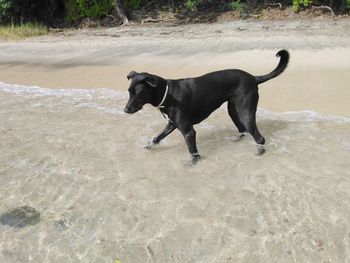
[[161, 104], [164, 96], [162, 92]]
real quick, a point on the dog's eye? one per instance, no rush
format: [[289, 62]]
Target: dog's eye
[[139, 90]]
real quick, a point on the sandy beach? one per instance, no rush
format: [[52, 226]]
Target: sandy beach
[[77, 185]]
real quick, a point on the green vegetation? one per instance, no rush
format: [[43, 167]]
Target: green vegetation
[[132, 4], [298, 4], [192, 4], [22, 31], [77, 9], [337, 6], [55, 13], [236, 5], [5, 6]]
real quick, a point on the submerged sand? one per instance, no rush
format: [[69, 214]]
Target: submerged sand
[[73, 161]]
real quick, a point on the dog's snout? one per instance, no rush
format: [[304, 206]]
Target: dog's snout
[[130, 109], [127, 110]]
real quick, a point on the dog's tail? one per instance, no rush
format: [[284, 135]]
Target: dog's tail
[[284, 58]]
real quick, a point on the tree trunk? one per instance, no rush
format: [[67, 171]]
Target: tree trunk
[[121, 12]]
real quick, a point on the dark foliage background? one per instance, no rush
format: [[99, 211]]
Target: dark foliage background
[[54, 12]]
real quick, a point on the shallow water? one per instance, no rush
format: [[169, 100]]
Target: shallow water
[[75, 157]]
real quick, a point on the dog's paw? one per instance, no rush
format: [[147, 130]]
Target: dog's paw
[[195, 159], [149, 146]]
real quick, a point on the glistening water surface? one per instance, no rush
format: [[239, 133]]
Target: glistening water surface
[[76, 162]]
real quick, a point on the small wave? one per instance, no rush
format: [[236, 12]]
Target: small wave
[[305, 115], [104, 100], [88, 98], [74, 93]]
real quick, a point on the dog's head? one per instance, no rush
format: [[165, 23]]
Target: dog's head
[[141, 91]]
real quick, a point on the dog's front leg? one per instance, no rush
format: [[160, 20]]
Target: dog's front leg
[[167, 130], [190, 136]]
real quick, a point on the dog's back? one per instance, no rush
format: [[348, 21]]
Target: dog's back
[[208, 92]]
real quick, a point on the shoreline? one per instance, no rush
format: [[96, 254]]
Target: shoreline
[[316, 79], [123, 95]]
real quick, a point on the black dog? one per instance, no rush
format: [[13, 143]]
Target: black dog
[[186, 102]]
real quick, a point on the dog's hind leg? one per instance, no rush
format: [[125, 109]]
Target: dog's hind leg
[[167, 130], [253, 130], [234, 117], [246, 111], [260, 140]]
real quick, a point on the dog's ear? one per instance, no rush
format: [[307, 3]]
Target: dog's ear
[[131, 75], [145, 77], [151, 80]]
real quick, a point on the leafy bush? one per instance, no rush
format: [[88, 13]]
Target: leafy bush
[[298, 4], [77, 9], [236, 5], [5, 7], [218, 5], [192, 4], [45, 11], [132, 4], [5, 10]]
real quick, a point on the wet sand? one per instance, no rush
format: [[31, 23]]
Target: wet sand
[[79, 161], [75, 162]]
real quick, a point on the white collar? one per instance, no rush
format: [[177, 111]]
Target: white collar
[[164, 97]]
